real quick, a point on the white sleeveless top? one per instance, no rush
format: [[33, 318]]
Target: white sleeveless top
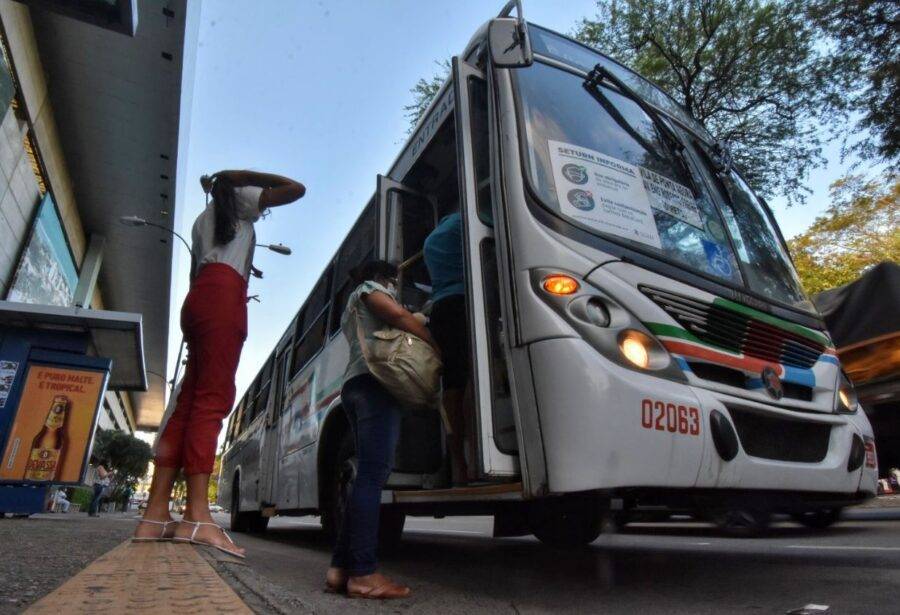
[[237, 253]]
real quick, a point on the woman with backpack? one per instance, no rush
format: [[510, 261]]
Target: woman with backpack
[[214, 323], [374, 416]]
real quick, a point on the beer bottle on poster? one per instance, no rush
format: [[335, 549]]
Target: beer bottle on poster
[[47, 448]]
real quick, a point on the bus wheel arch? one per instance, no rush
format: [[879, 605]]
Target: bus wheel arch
[[334, 429], [338, 469], [249, 522]]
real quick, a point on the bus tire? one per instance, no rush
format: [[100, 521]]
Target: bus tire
[[247, 522], [340, 481], [566, 522], [817, 519]]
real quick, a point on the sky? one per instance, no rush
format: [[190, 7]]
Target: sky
[[315, 90]]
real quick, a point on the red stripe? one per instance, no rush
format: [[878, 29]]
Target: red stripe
[[328, 400], [747, 364]]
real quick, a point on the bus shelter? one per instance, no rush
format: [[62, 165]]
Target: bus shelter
[[56, 363]]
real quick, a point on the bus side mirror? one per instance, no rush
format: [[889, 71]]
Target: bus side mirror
[[509, 43]]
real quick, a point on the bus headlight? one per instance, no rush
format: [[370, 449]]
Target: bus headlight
[[601, 320], [847, 402], [642, 351]]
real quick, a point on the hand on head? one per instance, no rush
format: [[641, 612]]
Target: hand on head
[[206, 182]]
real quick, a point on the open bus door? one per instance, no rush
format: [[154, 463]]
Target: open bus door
[[495, 430], [270, 439]]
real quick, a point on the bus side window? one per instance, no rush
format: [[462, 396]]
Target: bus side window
[[250, 407], [238, 416], [356, 249], [229, 432], [311, 342]]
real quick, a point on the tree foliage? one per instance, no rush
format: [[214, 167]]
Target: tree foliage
[[859, 229], [212, 493], [865, 35], [750, 70], [127, 456], [424, 92]]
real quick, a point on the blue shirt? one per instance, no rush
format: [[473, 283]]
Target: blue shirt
[[444, 258]]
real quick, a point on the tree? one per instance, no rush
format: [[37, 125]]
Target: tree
[[750, 70], [213, 491], [859, 229], [424, 92], [865, 35], [127, 456]]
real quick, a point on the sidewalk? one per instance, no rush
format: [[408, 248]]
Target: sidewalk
[[883, 501], [153, 577], [71, 563], [41, 552]]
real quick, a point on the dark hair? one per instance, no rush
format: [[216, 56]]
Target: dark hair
[[373, 270], [224, 202]]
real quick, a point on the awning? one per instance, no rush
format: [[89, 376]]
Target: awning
[[114, 335]]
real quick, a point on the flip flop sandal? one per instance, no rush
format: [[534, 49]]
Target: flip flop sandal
[[162, 533], [204, 543], [387, 591]]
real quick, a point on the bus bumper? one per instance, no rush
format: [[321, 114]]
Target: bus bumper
[[605, 427]]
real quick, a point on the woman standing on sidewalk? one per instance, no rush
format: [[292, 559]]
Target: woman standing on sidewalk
[[214, 323], [374, 417]]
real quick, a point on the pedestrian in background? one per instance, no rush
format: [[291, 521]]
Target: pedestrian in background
[[214, 323], [101, 485], [374, 416]]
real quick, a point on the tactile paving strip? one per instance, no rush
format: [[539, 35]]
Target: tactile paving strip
[[152, 577]]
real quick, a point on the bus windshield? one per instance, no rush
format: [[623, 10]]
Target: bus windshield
[[596, 159]]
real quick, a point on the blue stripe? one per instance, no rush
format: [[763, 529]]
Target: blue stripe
[[830, 358], [797, 375]]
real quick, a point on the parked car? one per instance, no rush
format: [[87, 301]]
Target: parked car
[[216, 508]]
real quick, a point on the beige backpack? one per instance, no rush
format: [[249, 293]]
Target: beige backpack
[[406, 365]]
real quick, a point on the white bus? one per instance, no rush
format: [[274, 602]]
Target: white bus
[[639, 334]]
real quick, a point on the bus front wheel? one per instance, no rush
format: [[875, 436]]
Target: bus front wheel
[[818, 519], [248, 522], [566, 522], [340, 485]]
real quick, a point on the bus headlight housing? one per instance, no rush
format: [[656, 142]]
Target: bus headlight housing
[[603, 322], [847, 402]]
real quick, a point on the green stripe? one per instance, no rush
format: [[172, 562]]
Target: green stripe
[[772, 320]]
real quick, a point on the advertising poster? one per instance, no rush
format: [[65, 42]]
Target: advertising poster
[[54, 424], [46, 274]]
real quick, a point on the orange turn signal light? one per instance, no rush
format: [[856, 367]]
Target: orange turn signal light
[[559, 284]]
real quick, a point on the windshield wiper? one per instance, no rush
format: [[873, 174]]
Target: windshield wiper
[[592, 83]]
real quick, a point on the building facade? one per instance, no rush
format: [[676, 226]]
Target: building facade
[[93, 107]]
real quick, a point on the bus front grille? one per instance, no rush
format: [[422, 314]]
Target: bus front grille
[[780, 439], [736, 332]]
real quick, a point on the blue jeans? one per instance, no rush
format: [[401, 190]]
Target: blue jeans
[[95, 503], [374, 417]]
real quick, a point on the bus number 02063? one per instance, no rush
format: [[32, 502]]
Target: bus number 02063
[[673, 418]]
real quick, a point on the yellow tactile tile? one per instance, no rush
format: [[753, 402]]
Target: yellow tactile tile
[[154, 577]]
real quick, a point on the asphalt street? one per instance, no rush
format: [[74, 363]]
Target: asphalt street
[[455, 566]]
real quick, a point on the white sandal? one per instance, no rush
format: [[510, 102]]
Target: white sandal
[[193, 541], [162, 533]]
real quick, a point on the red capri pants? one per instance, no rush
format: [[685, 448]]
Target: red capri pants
[[214, 323]]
